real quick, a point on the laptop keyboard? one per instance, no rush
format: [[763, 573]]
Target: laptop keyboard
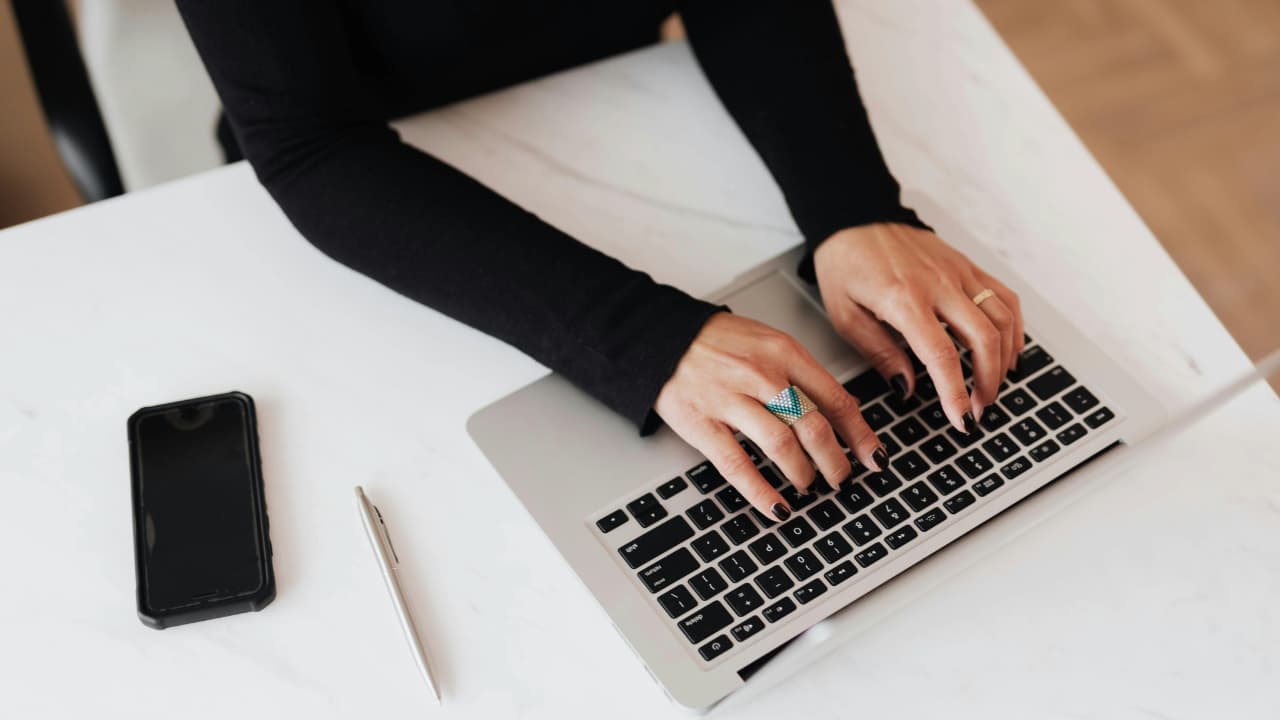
[[722, 572]]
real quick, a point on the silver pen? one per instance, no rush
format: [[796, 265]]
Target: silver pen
[[388, 562]]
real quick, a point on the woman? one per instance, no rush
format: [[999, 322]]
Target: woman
[[308, 87]]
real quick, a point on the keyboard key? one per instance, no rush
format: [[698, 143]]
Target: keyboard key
[[987, 485], [910, 465], [1027, 431], [934, 416], [867, 387], [891, 446], [708, 583], [743, 599], [646, 510], [611, 521], [840, 573], [803, 564], [947, 480], [902, 408], [738, 566], [861, 530], [747, 628], [973, 463], [994, 418], [924, 388], [876, 416], [890, 512], [668, 570], [1080, 400], [832, 547], [928, 520], [705, 514], [1031, 361], [774, 582], [1001, 447], [900, 537], [797, 500], [767, 549], [882, 483], [962, 439], [909, 431], [958, 502], [1017, 402], [705, 622], [1016, 468], [854, 497], [715, 648], [1041, 452], [1051, 383], [740, 528], [656, 541], [779, 610], [1053, 415], [677, 601], [1098, 417], [797, 531], [671, 487], [751, 452], [938, 449], [710, 546], [706, 478], [809, 592], [772, 477], [826, 515], [731, 499], [871, 555], [1073, 433], [919, 496]]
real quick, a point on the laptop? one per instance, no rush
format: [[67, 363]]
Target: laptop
[[706, 590]]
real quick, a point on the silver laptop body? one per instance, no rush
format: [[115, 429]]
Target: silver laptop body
[[572, 462]]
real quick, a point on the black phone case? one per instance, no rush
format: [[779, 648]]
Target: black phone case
[[213, 608]]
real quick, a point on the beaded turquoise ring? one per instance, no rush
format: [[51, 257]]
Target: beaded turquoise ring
[[790, 404]]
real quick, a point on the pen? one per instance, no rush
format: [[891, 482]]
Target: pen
[[385, 552]]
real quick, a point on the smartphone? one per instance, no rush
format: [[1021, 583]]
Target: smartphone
[[200, 531]]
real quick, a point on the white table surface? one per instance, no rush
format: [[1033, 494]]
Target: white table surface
[[1155, 596]]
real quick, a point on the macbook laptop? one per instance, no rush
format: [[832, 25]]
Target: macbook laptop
[[706, 590]]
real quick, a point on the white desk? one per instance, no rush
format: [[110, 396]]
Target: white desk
[[1154, 597]]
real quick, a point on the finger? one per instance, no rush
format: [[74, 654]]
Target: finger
[[994, 308], [864, 332], [1014, 304], [715, 441], [819, 440], [773, 437], [933, 346], [841, 411], [976, 332]]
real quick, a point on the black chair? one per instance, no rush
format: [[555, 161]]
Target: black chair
[[66, 97]]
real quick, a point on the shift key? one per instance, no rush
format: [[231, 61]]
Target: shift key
[[656, 541]]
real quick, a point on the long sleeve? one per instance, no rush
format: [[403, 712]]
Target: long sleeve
[[316, 135], [780, 68]]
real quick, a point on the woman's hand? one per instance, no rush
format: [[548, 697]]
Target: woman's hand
[[912, 280], [734, 366]]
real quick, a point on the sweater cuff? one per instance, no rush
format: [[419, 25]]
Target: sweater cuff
[[681, 327]]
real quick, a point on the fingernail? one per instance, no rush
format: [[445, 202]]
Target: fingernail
[[899, 383], [970, 425], [780, 511], [881, 459]]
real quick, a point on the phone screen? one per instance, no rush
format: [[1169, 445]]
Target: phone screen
[[196, 476]]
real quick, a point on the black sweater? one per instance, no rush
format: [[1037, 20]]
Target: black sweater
[[309, 85]]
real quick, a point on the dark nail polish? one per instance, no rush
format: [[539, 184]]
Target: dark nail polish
[[881, 459], [899, 383], [780, 511], [970, 425]]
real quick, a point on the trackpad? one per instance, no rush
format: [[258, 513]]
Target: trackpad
[[779, 301]]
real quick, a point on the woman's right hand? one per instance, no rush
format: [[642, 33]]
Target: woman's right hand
[[733, 367]]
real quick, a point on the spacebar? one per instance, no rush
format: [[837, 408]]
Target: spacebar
[[656, 541]]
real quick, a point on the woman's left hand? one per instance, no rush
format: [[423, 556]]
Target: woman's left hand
[[912, 280]]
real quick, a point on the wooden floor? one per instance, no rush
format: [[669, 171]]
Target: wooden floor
[[1180, 101]]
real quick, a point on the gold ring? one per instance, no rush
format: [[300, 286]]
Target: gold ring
[[983, 296]]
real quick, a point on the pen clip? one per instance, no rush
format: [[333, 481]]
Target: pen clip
[[386, 535]]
